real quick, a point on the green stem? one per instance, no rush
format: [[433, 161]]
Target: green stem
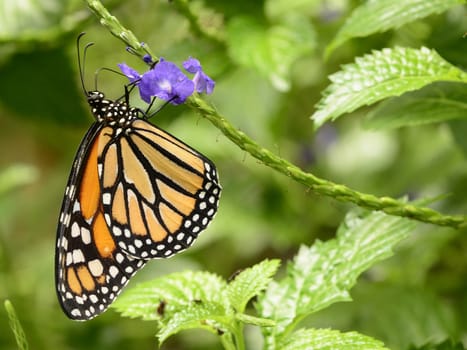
[[227, 343], [118, 30], [320, 186], [238, 334]]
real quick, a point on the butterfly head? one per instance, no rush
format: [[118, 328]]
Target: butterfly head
[[98, 104], [95, 98]]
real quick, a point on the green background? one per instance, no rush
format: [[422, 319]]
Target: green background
[[417, 296]]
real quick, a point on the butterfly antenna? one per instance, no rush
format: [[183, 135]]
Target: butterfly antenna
[[85, 50], [80, 65]]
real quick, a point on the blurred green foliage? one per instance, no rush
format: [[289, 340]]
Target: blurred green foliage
[[417, 296]]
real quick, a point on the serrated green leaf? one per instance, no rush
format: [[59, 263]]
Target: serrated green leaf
[[177, 291], [205, 315], [377, 16], [324, 273], [327, 339], [250, 282], [270, 50], [433, 104], [385, 73], [180, 301]]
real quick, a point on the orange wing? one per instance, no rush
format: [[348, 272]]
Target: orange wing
[[158, 193], [90, 268]]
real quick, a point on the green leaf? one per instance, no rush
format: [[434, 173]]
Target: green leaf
[[180, 301], [327, 339], [417, 316], [377, 16], [435, 103], [16, 327], [176, 291], [210, 316], [250, 282], [385, 73], [324, 273], [270, 50]]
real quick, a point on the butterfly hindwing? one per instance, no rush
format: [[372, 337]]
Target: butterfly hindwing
[[90, 268], [158, 193]]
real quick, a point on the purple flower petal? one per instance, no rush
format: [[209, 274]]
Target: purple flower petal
[[167, 82], [203, 82], [130, 73], [192, 65]]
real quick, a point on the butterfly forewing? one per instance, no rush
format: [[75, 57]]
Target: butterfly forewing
[[158, 193], [90, 268]]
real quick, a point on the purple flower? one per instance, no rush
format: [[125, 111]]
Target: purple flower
[[202, 81], [167, 82], [192, 65], [131, 74]]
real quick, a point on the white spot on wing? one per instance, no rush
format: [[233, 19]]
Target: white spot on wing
[[78, 256], [96, 268], [85, 235], [113, 271], [75, 231], [106, 198], [119, 257], [116, 231], [69, 259], [75, 312], [76, 207]]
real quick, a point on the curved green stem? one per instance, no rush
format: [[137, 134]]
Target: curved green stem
[[320, 186], [116, 28], [324, 187]]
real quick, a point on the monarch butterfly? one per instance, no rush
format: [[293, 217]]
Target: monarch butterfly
[[134, 193]]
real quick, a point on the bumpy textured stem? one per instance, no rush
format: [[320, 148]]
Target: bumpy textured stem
[[340, 192], [324, 187], [117, 29]]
